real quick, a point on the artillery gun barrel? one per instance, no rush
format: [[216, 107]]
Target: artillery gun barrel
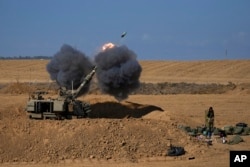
[[85, 81]]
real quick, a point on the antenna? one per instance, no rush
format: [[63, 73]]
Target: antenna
[[72, 83]]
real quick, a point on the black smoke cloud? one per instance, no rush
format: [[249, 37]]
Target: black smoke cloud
[[118, 71], [69, 65]]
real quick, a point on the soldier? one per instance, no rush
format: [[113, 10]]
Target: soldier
[[209, 121]]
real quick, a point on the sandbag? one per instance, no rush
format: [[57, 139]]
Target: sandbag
[[235, 140], [217, 131], [241, 124], [193, 132], [200, 129], [229, 129], [175, 151], [246, 131], [238, 130]]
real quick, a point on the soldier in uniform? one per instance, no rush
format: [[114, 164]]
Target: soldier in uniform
[[209, 121]]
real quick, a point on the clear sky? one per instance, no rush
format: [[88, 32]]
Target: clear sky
[[156, 29]]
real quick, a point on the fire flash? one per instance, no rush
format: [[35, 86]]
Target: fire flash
[[107, 46]]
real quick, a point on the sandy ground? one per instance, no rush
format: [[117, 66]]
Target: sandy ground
[[149, 119]]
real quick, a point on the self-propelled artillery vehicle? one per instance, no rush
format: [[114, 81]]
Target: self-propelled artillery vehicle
[[65, 106]]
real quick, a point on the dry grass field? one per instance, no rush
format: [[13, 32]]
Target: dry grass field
[[134, 132]]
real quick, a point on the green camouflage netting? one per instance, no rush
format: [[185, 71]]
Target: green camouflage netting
[[227, 130]]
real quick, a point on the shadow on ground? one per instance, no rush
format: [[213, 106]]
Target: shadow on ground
[[121, 110]]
